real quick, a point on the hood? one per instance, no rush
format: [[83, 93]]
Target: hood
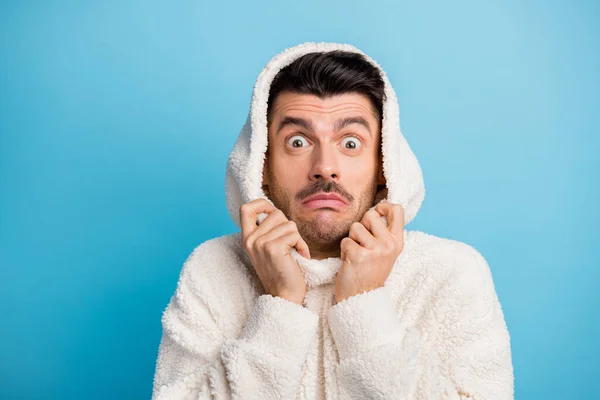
[[402, 172]]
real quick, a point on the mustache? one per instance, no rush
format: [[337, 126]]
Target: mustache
[[324, 187]]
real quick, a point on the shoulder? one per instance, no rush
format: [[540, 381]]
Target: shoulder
[[447, 261], [217, 272], [218, 259], [462, 312], [218, 250], [450, 277], [451, 255]]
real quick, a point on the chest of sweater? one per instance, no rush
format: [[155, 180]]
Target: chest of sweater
[[318, 372], [319, 375]]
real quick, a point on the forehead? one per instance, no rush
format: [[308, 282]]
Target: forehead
[[288, 103]]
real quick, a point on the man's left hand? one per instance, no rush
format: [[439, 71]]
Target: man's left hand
[[369, 252]]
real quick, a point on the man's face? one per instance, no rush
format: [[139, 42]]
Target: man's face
[[310, 152]]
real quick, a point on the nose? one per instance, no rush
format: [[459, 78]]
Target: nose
[[325, 164]]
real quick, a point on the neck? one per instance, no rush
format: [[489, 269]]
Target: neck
[[323, 251]]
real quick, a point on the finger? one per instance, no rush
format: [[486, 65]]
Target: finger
[[302, 247], [248, 213], [361, 235], [348, 248], [283, 229], [395, 216], [293, 239], [374, 223], [273, 220]]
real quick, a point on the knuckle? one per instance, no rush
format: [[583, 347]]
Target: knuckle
[[270, 246], [259, 243], [274, 215], [291, 226], [344, 242], [360, 255], [398, 210], [398, 248], [278, 214], [390, 246], [247, 243], [395, 246]]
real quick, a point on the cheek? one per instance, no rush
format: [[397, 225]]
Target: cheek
[[360, 178], [289, 175], [359, 172], [289, 170]]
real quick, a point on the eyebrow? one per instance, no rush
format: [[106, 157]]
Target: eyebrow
[[338, 125]]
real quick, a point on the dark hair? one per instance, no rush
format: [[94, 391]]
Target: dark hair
[[327, 74]]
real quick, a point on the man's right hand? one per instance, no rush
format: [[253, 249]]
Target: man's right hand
[[269, 245]]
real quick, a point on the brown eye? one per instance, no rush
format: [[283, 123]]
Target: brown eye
[[351, 143], [296, 141]]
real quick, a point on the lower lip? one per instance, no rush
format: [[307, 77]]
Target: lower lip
[[324, 203]]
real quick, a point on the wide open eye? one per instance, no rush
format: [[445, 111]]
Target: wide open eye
[[297, 141], [351, 143]]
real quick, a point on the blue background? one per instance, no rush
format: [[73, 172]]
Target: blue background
[[117, 117]]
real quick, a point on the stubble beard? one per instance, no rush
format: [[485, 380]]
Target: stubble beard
[[324, 231]]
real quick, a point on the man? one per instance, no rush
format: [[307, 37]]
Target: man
[[324, 294]]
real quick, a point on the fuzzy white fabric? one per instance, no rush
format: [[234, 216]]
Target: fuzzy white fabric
[[435, 330]]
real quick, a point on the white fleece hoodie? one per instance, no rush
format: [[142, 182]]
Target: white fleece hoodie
[[435, 330]]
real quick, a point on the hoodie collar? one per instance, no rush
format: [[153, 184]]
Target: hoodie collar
[[243, 182]]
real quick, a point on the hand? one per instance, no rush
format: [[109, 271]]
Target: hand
[[269, 244], [369, 252]]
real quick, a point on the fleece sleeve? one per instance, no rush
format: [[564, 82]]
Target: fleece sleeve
[[476, 339], [197, 359], [379, 356]]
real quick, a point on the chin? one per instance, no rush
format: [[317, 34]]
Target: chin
[[325, 225], [326, 237], [325, 215]]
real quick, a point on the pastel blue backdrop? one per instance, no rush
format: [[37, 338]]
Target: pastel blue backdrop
[[117, 117]]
